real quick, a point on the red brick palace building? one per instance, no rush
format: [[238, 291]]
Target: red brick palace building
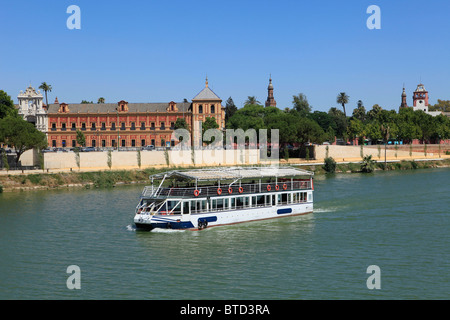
[[129, 124]]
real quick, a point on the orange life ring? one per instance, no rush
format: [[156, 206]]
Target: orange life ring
[[269, 187], [196, 193], [277, 187], [285, 186], [219, 191], [230, 190], [241, 189]]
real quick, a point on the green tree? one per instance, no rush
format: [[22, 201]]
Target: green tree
[[230, 109], [300, 103], [339, 122], [101, 100], [46, 88], [86, 102], [22, 135], [6, 105], [81, 139], [360, 112], [209, 123], [441, 105], [343, 99], [374, 112], [181, 124], [251, 100], [355, 129]]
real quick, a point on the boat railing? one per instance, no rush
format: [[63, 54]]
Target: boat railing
[[214, 191]]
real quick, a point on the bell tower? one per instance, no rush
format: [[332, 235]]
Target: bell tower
[[270, 99], [403, 104], [420, 99]]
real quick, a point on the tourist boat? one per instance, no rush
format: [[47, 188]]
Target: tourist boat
[[197, 199]]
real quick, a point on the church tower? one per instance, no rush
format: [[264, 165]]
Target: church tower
[[420, 99], [270, 99], [403, 104]]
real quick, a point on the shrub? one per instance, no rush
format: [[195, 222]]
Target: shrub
[[329, 165], [1, 188], [368, 165]]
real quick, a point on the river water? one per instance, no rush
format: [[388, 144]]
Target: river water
[[398, 221]]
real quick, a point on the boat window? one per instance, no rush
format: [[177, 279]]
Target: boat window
[[186, 207], [175, 207], [273, 200], [254, 201], [226, 204], [239, 202], [193, 206], [260, 201], [284, 198], [203, 205], [232, 203], [219, 204], [213, 206], [267, 200], [246, 202], [294, 197]]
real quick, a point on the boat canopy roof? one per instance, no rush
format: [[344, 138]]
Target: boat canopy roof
[[234, 173]]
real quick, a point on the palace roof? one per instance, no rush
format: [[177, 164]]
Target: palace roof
[[112, 107]]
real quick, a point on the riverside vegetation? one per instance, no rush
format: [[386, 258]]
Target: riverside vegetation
[[111, 178]]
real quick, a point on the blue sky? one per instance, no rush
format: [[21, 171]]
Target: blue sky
[[158, 51]]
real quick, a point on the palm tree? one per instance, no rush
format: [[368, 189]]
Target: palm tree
[[46, 88], [101, 100], [251, 100], [368, 165], [342, 99]]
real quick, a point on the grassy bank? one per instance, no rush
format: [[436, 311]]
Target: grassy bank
[[107, 179], [380, 166]]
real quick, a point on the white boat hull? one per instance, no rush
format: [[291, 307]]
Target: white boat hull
[[219, 218]]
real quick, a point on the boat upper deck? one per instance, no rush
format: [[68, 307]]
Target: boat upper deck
[[283, 176]]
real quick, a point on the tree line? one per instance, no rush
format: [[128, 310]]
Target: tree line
[[16, 132], [299, 124]]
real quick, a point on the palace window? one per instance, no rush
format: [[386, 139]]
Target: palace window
[[74, 126], [123, 143], [113, 126], [63, 128], [54, 143], [172, 125], [53, 126], [123, 126], [133, 143], [103, 126], [74, 143], [142, 125], [200, 108], [163, 126], [83, 126], [133, 126], [152, 126], [153, 142], [213, 109], [93, 126], [143, 143]]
